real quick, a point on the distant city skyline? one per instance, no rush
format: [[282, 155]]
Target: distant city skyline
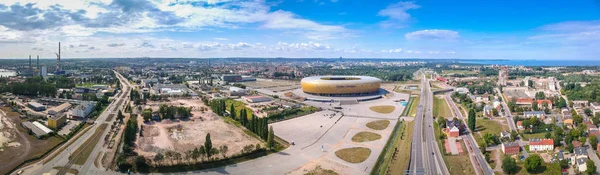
[[466, 29]]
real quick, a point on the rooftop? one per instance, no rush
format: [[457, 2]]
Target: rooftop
[[541, 142]]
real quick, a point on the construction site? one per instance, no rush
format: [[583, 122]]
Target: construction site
[[181, 136]]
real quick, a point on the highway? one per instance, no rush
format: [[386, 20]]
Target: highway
[[470, 140], [426, 157], [62, 159]]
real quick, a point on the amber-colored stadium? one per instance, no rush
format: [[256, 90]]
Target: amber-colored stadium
[[340, 85]]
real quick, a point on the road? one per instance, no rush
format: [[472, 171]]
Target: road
[[511, 123], [62, 159], [426, 157], [470, 140]]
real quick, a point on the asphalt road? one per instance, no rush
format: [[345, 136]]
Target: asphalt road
[[470, 140], [511, 124], [426, 157], [62, 159]]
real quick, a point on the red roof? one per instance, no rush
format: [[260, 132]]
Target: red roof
[[519, 123], [541, 142], [542, 102]]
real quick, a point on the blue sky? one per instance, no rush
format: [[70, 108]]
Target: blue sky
[[467, 29]]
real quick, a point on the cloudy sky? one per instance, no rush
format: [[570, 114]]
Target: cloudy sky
[[470, 29]]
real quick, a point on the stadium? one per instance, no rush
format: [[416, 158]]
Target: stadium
[[341, 86]]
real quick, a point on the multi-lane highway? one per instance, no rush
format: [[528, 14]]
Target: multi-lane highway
[[426, 157], [62, 159], [470, 140]]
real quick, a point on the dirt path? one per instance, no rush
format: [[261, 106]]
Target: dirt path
[[498, 160]]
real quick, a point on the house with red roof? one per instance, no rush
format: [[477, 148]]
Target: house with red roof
[[541, 144]]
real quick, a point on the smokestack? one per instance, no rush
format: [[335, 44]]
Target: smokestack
[[58, 69], [38, 65]]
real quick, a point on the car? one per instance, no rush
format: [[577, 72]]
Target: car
[[432, 153]]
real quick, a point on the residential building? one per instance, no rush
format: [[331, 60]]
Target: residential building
[[57, 121], [454, 128], [595, 107], [510, 148], [540, 104], [541, 144], [83, 110], [537, 114], [579, 158], [36, 106], [520, 125], [488, 111], [568, 123], [582, 164]]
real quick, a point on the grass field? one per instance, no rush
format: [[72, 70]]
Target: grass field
[[534, 136], [547, 168], [379, 124], [384, 109], [399, 161], [70, 170], [441, 108], [83, 152], [365, 137], [353, 155], [320, 171], [489, 126], [413, 107]]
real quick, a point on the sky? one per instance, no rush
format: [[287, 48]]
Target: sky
[[465, 29]]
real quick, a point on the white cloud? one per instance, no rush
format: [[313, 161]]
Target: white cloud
[[434, 34], [397, 14]]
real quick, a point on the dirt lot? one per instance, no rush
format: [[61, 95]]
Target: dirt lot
[[181, 136], [19, 148]]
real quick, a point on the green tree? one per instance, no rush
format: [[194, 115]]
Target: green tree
[[509, 166], [534, 106], [232, 111], [208, 145], [223, 150], [564, 164], [593, 141], [548, 135], [533, 163], [591, 167], [471, 119], [147, 114], [270, 143]]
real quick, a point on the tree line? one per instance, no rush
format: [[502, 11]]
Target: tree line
[[259, 126]]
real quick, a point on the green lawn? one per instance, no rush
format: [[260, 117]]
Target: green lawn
[[378, 124], [353, 155], [365, 136], [413, 107], [458, 72], [534, 136], [83, 151], [399, 162], [441, 108], [384, 109], [489, 126]]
